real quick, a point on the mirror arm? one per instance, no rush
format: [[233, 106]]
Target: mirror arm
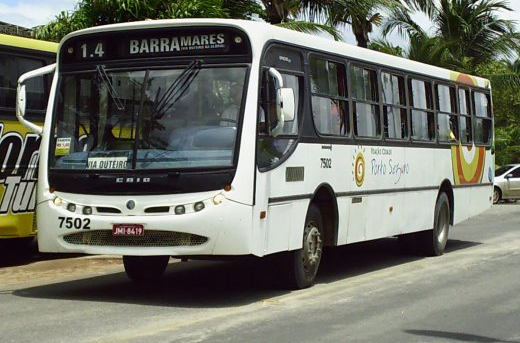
[[19, 112], [279, 125], [276, 74]]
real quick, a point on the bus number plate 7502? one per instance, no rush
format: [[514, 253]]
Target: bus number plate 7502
[[128, 230]]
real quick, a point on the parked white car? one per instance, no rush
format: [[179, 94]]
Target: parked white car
[[507, 183]]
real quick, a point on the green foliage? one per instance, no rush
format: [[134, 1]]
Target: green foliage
[[308, 27], [195, 9], [507, 145], [286, 13], [382, 45], [468, 34], [90, 13], [361, 15], [505, 78]]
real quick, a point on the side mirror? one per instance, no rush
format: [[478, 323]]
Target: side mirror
[[284, 103], [508, 176], [285, 99], [21, 96]]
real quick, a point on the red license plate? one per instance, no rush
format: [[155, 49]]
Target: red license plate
[[128, 230]]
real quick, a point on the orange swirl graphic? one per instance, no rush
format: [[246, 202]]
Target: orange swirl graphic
[[467, 171]]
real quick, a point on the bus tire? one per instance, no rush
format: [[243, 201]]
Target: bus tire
[[302, 264], [145, 268], [433, 242]]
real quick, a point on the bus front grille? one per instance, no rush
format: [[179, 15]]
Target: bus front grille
[[151, 238]]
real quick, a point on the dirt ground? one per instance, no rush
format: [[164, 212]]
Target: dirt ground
[[23, 265]]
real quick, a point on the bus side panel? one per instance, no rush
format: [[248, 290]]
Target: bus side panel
[[471, 201], [18, 164], [279, 224], [344, 218]]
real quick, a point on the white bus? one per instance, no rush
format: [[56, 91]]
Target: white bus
[[210, 138]]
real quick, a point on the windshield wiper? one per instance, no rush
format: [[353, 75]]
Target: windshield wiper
[[176, 90], [111, 90]]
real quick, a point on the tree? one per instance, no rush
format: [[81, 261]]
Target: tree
[[384, 46], [360, 15], [90, 13], [421, 48], [363, 15], [470, 30], [286, 13]]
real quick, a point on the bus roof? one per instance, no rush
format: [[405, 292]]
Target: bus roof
[[260, 33], [28, 43]]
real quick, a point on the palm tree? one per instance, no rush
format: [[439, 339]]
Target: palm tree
[[384, 46], [90, 13], [287, 14], [284, 13], [360, 15], [470, 30], [363, 15], [421, 48]]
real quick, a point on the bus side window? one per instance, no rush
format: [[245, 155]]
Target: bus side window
[[483, 121], [466, 132], [12, 66], [423, 123], [447, 124], [394, 106], [270, 149], [365, 102], [329, 97]]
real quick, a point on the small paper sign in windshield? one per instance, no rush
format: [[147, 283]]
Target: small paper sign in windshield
[[107, 162]]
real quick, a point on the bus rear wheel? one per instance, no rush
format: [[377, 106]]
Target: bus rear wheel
[[145, 268], [302, 264], [433, 242]]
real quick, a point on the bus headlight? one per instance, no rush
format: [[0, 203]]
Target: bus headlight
[[180, 209], [87, 210], [199, 206], [71, 207], [58, 202]]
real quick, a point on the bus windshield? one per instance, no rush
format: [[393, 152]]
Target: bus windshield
[[148, 119]]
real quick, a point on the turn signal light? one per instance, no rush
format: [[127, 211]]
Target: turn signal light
[[218, 199]]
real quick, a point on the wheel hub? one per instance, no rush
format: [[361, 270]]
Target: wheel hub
[[312, 247]]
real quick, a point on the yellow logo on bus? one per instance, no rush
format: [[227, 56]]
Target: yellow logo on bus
[[468, 164], [359, 169]]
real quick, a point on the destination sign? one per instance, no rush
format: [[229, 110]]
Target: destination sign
[[167, 45], [153, 43]]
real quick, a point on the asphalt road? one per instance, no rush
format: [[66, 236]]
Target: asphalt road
[[364, 293]]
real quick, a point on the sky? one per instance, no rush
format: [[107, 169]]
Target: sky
[[30, 13]]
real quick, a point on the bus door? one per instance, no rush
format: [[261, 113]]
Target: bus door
[[276, 140]]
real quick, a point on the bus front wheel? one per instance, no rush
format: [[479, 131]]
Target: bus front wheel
[[433, 242], [302, 264], [145, 268]]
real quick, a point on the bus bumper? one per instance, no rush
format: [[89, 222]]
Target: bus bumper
[[218, 229]]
